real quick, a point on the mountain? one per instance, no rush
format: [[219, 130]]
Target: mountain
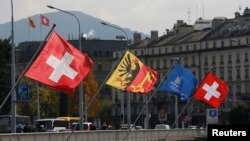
[[66, 26]]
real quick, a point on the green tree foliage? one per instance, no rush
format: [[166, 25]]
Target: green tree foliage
[[5, 71], [48, 99], [90, 87], [240, 115]]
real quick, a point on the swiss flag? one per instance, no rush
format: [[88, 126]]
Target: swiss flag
[[60, 65], [212, 90], [44, 20]]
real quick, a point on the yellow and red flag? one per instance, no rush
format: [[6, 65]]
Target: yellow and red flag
[[132, 75]]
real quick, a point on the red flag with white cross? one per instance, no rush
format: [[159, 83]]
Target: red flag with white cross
[[44, 20], [212, 90], [60, 65]]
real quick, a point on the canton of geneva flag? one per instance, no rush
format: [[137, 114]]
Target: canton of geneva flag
[[180, 82], [60, 65], [132, 75], [212, 90]]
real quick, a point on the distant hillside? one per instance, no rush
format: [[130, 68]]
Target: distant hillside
[[66, 25]]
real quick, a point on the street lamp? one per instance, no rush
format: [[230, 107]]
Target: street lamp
[[122, 94], [13, 94], [80, 87]]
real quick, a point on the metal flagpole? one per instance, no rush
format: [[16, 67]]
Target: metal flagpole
[[128, 94], [144, 107], [112, 69], [28, 65]]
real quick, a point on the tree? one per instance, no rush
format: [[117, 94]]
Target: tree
[[5, 85], [48, 99], [90, 88], [240, 115]]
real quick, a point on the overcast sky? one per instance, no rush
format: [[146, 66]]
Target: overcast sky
[[140, 15]]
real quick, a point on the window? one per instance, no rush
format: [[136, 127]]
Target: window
[[246, 57], [136, 53], [229, 59], [151, 63], [99, 67], [214, 44], [166, 50], [165, 63], [222, 44], [221, 59], [238, 73], [194, 46], [205, 61], [237, 58], [213, 60], [193, 60], [173, 49], [158, 64], [206, 45], [116, 55], [186, 47], [222, 73], [159, 51], [142, 52], [153, 52], [229, 74], [246, 73], [186, 61]]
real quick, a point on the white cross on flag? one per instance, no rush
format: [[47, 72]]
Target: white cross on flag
[[60, 65], [212, 90]]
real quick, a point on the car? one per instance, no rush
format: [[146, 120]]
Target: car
[[162, 126], [193, 127], [86, 126], [125, 127]]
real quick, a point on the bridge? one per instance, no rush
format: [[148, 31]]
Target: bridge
[[110, 135]]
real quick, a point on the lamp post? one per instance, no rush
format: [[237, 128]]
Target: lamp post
[[122, 94], [13, 94], [80, 87]]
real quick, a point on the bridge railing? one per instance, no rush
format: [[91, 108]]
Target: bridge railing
[[106, 135]]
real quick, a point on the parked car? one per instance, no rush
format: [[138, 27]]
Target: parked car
[[86, 126], [193, 127], [162, 126], [125, 127]]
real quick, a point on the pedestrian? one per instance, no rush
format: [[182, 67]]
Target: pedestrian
[[26, 128]]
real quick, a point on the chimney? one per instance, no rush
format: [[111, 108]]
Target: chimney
[[217, 21], [154, 34], [236, 15], [137, 37]]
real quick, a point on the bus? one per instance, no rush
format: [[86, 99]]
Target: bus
[[5, 123], [70, 120], [51, 125]]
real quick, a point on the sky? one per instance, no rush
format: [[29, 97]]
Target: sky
[[140, 15]]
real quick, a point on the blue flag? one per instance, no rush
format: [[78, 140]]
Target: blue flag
[[180, 82]]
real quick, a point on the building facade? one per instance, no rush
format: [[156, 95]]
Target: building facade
[[219, 45]]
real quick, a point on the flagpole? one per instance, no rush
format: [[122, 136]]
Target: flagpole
[[176, 120], [128, 95], [112, 69], [28, 65], [144, 107]]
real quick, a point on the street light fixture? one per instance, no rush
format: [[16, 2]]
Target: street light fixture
[[122, 94], [80, 87]]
